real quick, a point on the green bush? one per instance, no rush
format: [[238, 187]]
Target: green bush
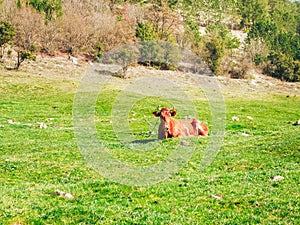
[[283, 59], [162, 55], [219, 40], [259, 58], [51, 8], [7, 32], [151, 53], [24, 55], [98, 51], [283, 67], [216, 50], [145, 31]]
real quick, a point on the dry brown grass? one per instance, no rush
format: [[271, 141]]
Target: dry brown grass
[[83, 25]]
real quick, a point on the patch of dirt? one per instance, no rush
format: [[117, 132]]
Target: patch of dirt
[[50, 67], [258, 84], [62, 68]]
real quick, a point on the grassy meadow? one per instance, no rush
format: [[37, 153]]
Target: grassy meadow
[[235, 189]]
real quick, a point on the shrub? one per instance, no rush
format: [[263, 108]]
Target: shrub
[[216, 50], [98, 51], [284, 54], [283, 67], [219, 41], [51, 8], [145, 31], [23, 55], [7, 32], [151, 53], [162, 55]]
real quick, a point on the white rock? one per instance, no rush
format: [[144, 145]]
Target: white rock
[[277, 178], [235, 118], [217, 197], [73, 60], [63, 194], [69, 196], [42, 125]]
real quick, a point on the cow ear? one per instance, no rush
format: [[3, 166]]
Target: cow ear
[[157, 114], [173, 112]]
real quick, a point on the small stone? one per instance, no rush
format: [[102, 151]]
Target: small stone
[[297, 123], [63, 194], [235, 118], [277, 178], [42, 125], [217, 197], [69, 196]]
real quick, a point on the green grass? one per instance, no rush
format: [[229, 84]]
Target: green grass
[[35, 162]]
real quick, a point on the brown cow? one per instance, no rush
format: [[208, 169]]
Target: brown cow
[[170, 127]]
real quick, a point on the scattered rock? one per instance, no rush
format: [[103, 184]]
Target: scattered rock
[[42, 125], [235, 118], [63, 194], [73, 60], [297, 123], [250, 117], [245, 134], [277, 178], [12, 122], [217, 197]]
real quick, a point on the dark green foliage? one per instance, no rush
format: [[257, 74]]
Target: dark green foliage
[[263, 29], [19, 4], [253, 11], [283, 60], [124, 57], [51, 8], [7, 32], [163, 55], [288, 43], [193, 28], [285, 14], [283, 67], [219, 39], [98, 51], [171, 56], [151, 53], [216, 48], [259, 58], [24, 55], [145, 31]]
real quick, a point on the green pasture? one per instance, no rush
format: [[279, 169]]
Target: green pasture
[[235, 189]]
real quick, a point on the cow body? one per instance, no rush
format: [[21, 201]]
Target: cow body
[[170, 127]]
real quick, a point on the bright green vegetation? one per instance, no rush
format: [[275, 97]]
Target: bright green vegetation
[[35, 162]]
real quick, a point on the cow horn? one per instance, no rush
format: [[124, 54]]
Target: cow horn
[[159, 108]]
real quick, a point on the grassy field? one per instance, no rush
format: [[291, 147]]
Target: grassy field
[[235, 189]]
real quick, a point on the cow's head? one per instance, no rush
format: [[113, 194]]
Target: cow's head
[[164, 113]]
